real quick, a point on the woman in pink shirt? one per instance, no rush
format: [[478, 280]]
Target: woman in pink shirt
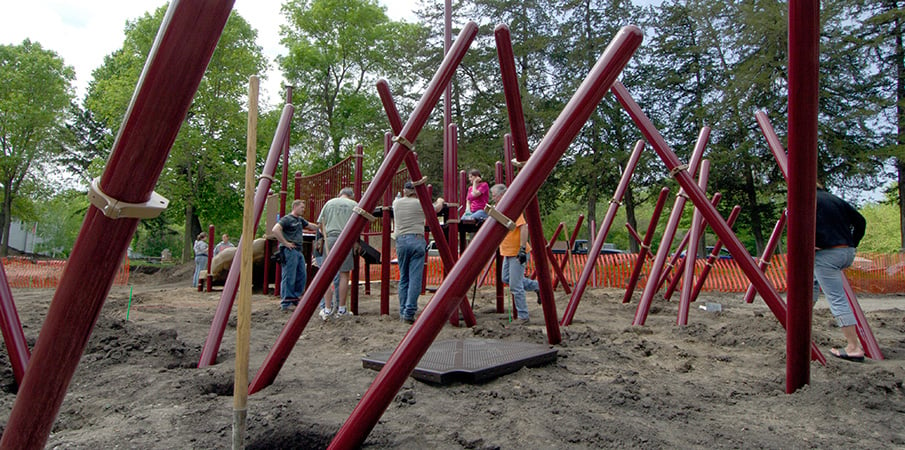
[[478, 196]]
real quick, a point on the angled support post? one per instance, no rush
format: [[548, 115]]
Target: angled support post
[[681, 265], [11, 326], [644, 252], [591, 262], [656, 270], [174, 68], [697, 229], [522, 153], [708, 265]]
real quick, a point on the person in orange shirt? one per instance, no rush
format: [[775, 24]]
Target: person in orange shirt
[[514, 250]]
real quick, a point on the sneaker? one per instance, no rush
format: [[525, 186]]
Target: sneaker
[[524, 321], [325, 313], [287, 308], [408, 320], [343, 312]]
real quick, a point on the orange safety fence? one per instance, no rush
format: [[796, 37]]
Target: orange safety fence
[[871, 273], [22, 272]]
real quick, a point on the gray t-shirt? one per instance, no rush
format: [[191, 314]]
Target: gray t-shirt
[[293, 228], [408, 216], [335, 214]]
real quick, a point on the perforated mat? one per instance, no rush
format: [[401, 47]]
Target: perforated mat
[[470, 360]]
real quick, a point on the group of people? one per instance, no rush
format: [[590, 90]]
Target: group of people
[[838, 232]]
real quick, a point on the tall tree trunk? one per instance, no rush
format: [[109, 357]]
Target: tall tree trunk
[[188, 238], [629, 203], [756, 222], [7, 208], [900, 122]]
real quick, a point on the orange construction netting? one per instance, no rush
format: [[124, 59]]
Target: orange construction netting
[[22, 272]]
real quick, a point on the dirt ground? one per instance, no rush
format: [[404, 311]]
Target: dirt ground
[[718, 382]]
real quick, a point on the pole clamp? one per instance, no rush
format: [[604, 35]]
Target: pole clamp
[[616, 202], [517, 163], [117, 209], [420, 182], [363, 213], [677, 169], [401, 140], [499, 217]]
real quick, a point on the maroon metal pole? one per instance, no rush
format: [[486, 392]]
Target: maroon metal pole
[[447, 298], [385, 238], [697, 229], [385, 173], [451, 190], [499, 177], [680, 266], [356, 267], [284, 186], [11, 326], [463, 183], [767, 254], [266, 283], [175, 66], [653, 278], [644, 252], [591, 262], [804, 29], [865, 334], [773, 142], [519, 143], [231, 287], [719, 226], [210, 257], [557, 269], [708, 265]]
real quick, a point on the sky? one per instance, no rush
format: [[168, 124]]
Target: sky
[[83, 32]]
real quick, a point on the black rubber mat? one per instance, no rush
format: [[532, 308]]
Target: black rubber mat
[[470, 360]]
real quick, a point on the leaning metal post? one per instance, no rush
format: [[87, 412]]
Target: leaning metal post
[[176, 63], [644, 252]]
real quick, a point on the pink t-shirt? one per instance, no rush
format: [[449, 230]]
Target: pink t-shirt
[[478, 199]]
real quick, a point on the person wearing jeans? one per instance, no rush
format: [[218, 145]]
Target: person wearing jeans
[[411, 248], [289, 232], [514, 251], [839, 229]]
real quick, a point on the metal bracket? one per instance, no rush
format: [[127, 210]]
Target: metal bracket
[[419, 182], [116, 209], [404, 142], [499, 217], [677, 169], [364, 214], [517, 163]]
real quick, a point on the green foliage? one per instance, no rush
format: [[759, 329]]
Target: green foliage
[[60, 220], [204, 174], [35, 91], [882, 235]]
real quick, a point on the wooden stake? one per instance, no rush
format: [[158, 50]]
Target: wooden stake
[[243, 328]]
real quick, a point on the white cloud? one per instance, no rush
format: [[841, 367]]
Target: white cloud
[[83, 32]]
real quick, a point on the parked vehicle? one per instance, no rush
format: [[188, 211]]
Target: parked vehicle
[[582, 247]]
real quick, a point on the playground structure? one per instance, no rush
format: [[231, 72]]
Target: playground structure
[[152, 122]]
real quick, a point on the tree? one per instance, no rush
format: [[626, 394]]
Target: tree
[[35, 91], [204, 172], [338, 49]]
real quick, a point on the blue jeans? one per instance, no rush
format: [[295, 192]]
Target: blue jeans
[[294, 276], [828, 265], [514, 275], [410, 250], [200, 264]]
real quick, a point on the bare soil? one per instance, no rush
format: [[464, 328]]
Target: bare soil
[[717, 383]]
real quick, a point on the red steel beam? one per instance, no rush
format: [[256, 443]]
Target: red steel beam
[[293, 329], [174, 68], [385, 243], [522, 153], [719, 226], [210, 258], [681, 266], [608, 219], [691, 253], [498, 277], [231, 286], [644, 252], [654, 278], [419, 338], [11, 326]]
